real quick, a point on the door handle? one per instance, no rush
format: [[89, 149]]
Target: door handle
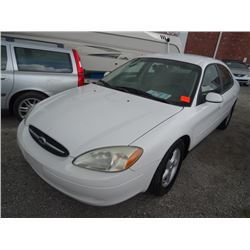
[[3, 78]]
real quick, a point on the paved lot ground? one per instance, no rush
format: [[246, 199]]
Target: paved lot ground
[[214, 180]]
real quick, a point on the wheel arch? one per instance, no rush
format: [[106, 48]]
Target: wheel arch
[[19, 93], [187, 140]]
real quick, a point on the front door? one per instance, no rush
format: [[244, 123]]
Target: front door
[[207, 114]]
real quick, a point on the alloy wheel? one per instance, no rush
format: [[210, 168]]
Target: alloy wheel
[[171, 168], [25, 105]]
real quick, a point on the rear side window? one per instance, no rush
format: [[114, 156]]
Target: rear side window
[[43, 61], [3, 57], [226, 78]]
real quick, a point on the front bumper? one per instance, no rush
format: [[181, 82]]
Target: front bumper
[[243, 80], [91, 187]]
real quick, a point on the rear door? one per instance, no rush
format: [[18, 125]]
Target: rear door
[[6, 74], [40, 68]]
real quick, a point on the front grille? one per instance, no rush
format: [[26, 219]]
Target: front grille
[[239, 75], [243, 82], [47, 142]]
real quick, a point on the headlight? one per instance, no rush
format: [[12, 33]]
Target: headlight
[[110, 159]]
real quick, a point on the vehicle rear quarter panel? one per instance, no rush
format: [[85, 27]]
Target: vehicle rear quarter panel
[[50, 83], [46, 82]]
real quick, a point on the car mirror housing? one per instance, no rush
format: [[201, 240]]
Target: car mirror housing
[[214, 97]]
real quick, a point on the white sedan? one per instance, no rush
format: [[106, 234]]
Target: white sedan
[[106, 142]]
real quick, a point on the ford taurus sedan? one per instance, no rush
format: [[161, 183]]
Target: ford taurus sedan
[[128, 133]]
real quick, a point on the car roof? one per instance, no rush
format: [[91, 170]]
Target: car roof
[[35, 44], [202, 61]]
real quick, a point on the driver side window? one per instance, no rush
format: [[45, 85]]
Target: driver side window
[[210, 83]]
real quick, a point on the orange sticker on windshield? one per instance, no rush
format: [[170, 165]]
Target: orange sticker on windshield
[[185, 99]]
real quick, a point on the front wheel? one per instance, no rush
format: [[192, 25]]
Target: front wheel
[[25, 102], [168, 169]]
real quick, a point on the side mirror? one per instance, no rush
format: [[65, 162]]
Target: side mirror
[[214, 97], [106, 73]]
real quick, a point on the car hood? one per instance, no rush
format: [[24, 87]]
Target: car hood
[[93, 116], [240, 71]]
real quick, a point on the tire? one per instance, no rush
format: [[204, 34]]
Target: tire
[[158, 186], [227, 120], [24, 102]]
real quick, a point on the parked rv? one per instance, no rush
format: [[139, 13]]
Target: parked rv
[[104, 51]]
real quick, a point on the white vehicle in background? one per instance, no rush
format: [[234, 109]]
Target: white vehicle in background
[[240, 70], [130, 131], [104, 51]]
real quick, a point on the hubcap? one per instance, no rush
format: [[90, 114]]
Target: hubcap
[[171, 168], [25, 105]]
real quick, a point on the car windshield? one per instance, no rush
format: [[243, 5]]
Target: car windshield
[[238, 65], [164, 80]]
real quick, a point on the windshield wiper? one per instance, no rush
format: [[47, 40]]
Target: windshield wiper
[[104, 83], [140, 93]]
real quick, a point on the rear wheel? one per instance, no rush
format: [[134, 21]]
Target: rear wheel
[[25, 102], [168, 169]]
